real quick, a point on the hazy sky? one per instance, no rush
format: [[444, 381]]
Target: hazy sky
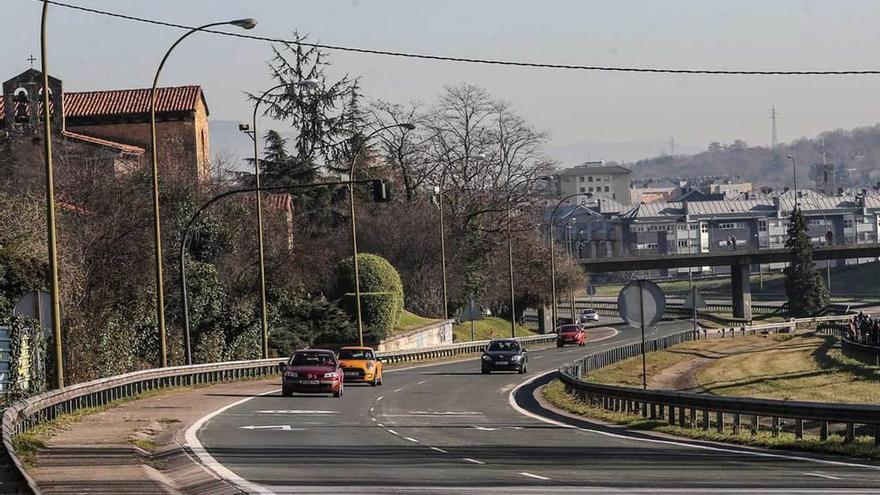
[[91, 52]]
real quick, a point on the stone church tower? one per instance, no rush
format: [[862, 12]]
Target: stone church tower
[[23, 103]]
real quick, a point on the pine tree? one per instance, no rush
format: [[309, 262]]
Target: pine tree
[[277, 167], [807, 294]]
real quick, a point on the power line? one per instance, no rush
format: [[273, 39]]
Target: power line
[[509, 63]]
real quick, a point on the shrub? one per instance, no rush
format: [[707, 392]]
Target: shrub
[[381, 292]]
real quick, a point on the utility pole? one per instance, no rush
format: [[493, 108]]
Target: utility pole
[[672, 146], [774, 137]]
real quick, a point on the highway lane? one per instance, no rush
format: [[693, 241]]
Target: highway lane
[[446, 427]]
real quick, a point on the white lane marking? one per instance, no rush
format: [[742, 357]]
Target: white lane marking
[[496, 428], [380, 425], [538, 357], [512, 402], [297, 411], [411, 439], [207, 460], [398, 390], [371, 409], [438, 449], [373, 419], [537, 477], [422, 382], [389, 430], [826, 476], [379, 398], [271, 427], [474, 461]]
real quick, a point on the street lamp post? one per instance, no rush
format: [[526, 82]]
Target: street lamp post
[[255, 135], [50, 204], [186, 231], [157, 230], [439, 190], [554, 310], [357, 282], [510, 256]]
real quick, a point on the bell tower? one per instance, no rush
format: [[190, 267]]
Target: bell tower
[[23, 103]]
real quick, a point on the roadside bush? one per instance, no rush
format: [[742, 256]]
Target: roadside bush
[[210, 347], [298, 323], [381, 292]]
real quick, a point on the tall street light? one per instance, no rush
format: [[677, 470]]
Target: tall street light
[[157, 229], [510, 256], [255, 135], [554, 309], [377, 196], [439, 191], [357, 282], [50, 204]]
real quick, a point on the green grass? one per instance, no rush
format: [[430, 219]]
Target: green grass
[[144, 443], [862, 446], [409, 321], [486, 329]]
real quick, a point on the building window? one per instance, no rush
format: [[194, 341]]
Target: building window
[[598, 179], [583, 189], [762, 225], [816, 221], [693, 226], [590, 189], [607, 189], [731, 225], [683, 244], [613, 195], [590, 179], [848, 222], [704, 228], [581, 178]]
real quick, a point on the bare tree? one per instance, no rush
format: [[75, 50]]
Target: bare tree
[[407, 151]]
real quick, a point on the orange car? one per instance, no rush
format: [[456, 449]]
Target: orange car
[[360, 364]]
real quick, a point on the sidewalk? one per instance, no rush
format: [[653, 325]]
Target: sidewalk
[[137, 448]]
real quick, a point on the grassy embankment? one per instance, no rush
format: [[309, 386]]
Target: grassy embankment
[[804, 367], [487, 328]]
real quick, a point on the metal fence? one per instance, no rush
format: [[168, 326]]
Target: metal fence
[[22, 416], [706, 411]]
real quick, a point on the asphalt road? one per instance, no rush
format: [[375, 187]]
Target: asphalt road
[[446, 428]]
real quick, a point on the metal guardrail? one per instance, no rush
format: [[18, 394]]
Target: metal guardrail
[[24, 415], [706, 411]]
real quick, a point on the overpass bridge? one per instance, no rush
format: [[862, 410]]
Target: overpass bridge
[[739, 262]]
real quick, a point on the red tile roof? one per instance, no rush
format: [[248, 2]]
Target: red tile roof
[[128, 101], [125, 148]]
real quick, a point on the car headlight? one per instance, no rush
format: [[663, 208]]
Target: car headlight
[[516, 358], [291, 374], [369, 365], [332, 374], [487, 357]]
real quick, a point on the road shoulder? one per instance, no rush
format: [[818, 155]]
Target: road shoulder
[[139, 446]]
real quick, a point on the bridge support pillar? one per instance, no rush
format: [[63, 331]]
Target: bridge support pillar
[[741, 289]]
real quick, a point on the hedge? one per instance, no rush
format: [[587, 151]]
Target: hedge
[[381, 292]]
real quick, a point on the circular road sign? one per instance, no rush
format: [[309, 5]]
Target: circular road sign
[[641, 302]]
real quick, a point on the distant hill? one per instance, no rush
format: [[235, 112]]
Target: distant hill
[[577, 153], [856, 154]]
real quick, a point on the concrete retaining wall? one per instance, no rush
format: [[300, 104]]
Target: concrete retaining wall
[[433, 334]]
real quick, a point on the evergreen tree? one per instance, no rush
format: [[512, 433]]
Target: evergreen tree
[[278, 168], [807, 294]]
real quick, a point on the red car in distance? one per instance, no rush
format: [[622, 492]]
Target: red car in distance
[[571, 334], [311, 371]]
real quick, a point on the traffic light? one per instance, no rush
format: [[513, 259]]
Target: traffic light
[[380, 192]]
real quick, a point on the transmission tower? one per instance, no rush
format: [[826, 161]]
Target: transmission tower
[[774, 138]]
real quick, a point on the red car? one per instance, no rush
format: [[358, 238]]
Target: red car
[[311, 371], [570, 334]]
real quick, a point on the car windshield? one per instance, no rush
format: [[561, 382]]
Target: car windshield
[[502, 345], [569, 328], [313, 359], [365, 354], [589, 311]]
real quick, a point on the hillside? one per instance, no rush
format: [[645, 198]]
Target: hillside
[[856, 154]]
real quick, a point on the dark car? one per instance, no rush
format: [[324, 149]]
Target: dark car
[[504, 355], [312, 371], [570, 334]]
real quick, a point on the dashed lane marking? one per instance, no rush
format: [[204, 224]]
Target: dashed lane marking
[[380, 425], [411, 439], [389, 430], [438, 449], [535, 476], [398, 390], [473, 461], [422, 382], [826, 476], [379, 398]]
